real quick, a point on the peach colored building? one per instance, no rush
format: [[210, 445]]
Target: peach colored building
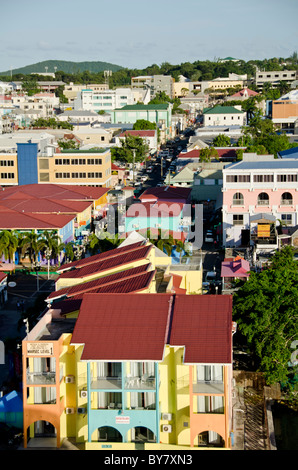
[[285, 110], [258, 193]]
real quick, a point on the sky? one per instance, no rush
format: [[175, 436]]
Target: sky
[[136, 34]]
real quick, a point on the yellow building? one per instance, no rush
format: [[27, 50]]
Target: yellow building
[[132, 370]]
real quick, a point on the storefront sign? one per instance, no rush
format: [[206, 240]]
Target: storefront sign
[[40, 349], [122, 419]]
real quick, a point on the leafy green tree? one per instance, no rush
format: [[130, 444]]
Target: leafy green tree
[[221, 140], [141, 124], [265, 309], [32, 244], [9, 242], [129, 145], [206, 154]]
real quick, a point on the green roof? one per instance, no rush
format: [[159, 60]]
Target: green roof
[[134, 107], [222, 110]]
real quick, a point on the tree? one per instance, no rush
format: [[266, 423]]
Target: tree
[[221, 140], [130, 144], [207, 153], [141, 124], [32, 244], [265, 309], [8, 244]]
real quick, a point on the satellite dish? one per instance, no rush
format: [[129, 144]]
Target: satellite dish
[[12, 284]]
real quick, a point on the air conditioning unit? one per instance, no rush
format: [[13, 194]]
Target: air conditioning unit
[[83, 394], [167, 416], [69, 379], [69, 411], [81, 411], [167, 428]]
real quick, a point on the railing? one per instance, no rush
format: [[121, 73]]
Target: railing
[[140, 382], [262, 202], [41, 378], [286, 202], [108, 383], [208, 387]]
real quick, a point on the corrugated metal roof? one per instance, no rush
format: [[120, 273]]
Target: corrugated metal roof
[[108, 263], [97, 283], [203, 324], [115, 327]]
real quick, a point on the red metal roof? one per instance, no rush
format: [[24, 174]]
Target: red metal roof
[[122, 327], [97, 283], [100, 256], [16, 220], [56, 191], [140, 133], [166, 193], [155, 209], [137, 327], [203, 323], [109, 263]]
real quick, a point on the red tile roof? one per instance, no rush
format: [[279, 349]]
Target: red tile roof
[[166, 193], [203, 323], [139, 133], [84, 287], [122, 327], [137, 327], [14, 220], [100, 256], [155, 209], [108, 263]]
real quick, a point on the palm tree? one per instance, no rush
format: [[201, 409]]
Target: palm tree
[[51, 245], [31, 245], [106, 243], [8, 244]]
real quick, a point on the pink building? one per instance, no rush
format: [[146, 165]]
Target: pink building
[[259, 193]]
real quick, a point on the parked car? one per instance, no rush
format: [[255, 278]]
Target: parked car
[[209, 237]]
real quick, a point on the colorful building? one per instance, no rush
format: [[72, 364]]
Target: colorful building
[[259, 193], [132, 371]]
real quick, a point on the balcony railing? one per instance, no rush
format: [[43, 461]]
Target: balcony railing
[[286, 202], [208, 387], [140, 382], [106, 383], [41, 378]]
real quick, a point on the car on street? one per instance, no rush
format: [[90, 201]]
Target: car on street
[[209, 237]]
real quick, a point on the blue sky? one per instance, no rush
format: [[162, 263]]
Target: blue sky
[[136, 34]]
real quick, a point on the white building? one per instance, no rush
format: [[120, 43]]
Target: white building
[[103, 100]]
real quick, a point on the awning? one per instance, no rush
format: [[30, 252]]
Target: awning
[[262, 218]]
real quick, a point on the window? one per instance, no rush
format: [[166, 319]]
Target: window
[[7, 163], [287, 178], [286, 199], [238, 199], [238, 219], [263, 178], [286, 219], [7, 175], [263, 199], [238, 178], [210, 404]]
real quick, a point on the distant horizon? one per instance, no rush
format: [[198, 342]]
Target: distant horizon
[[135, 37], [215, 59]]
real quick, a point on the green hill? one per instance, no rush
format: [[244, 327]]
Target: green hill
[[63, 66]]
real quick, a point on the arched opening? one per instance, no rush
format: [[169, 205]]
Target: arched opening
[[286, 199], [238, 199], [141, 434], [209, 439], [263, 199], [106, 434], [41, 433]]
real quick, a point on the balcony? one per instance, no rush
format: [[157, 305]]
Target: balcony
[[106, 383], [144, 382], [208, 387], [41, 378]]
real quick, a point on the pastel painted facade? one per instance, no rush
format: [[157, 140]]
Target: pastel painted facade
[[257, 193], [224, 116], [173, 391]]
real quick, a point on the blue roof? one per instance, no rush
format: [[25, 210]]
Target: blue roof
[[264, 165], [292, 153]]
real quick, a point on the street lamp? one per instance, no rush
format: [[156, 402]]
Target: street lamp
[[48, 256]]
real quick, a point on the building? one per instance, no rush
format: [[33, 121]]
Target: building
[[75, 167], [74, 116], [258, 192], [154, 84], [149, 137], [232, 270], [131, 370], [285, 111], [223, 116], [159, 114], [274, 77], [103, 100]]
